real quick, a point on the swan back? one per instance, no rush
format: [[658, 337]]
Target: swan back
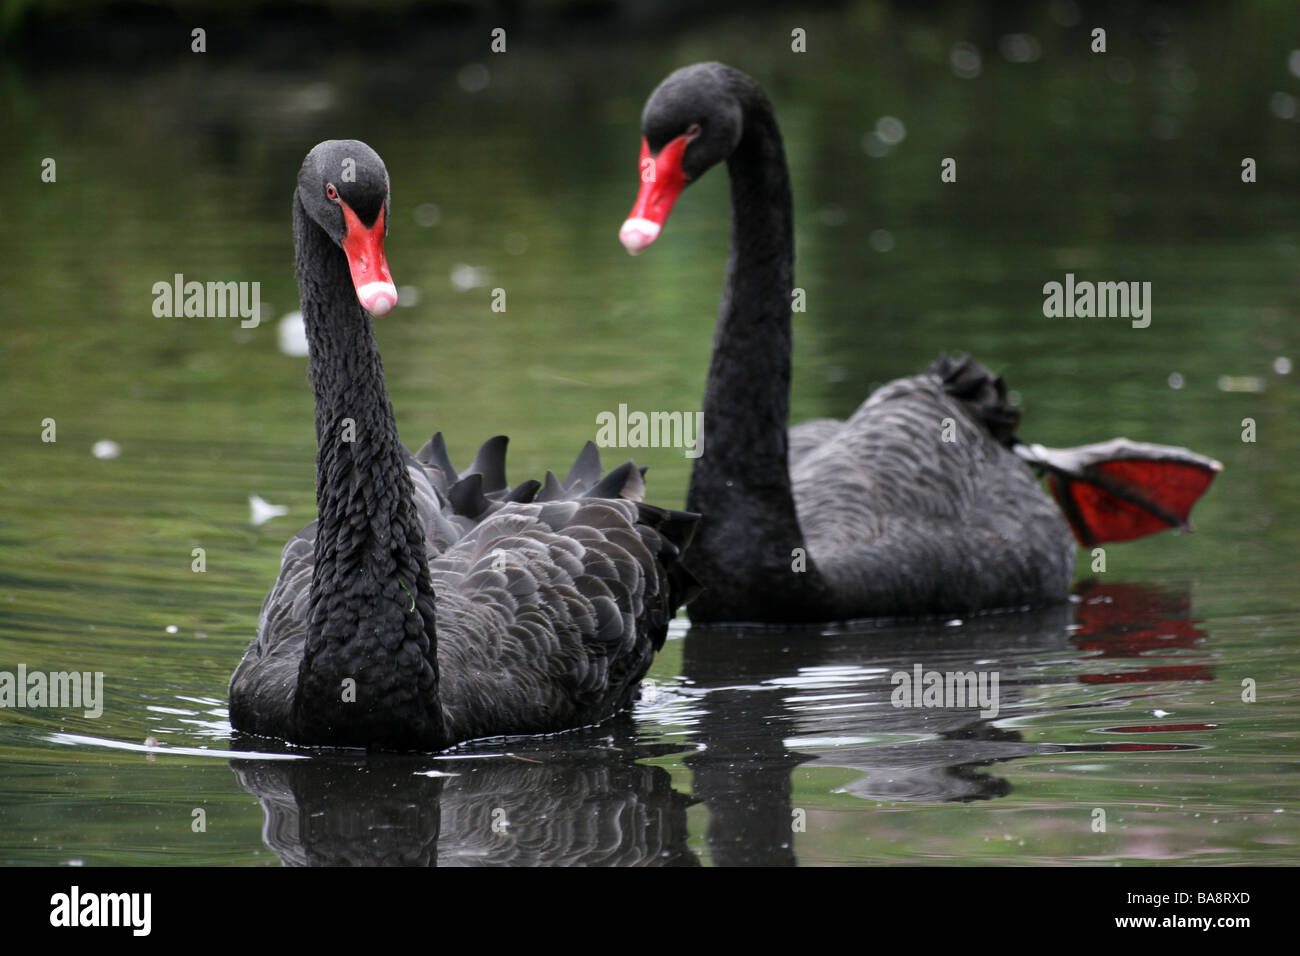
[[912, 506]]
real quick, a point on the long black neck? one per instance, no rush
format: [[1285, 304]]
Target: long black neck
[[369, 669], [749, 544]]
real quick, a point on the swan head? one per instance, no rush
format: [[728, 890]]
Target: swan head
[[693, 120], [343, 186]]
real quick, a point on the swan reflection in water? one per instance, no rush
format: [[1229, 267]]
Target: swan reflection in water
[[579, 799], [755, 704]]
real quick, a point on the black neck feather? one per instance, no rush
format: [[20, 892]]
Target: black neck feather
[[746, 546], [369, 670]]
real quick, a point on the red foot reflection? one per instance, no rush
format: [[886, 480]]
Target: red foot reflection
[[1128, 620]]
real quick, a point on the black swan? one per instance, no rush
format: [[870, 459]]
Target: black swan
[[883, 514], [425, 607]]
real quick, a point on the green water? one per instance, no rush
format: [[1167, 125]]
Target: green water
[[1066, 164]]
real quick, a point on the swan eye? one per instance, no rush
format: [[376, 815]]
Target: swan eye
[[331, 193], [693, 132]]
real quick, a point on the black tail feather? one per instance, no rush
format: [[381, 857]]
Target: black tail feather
[[586, 468], [982, 392], [490, 462]]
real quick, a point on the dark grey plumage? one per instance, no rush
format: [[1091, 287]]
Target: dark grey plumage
[[899, 520], [425, 606], [548, 612]]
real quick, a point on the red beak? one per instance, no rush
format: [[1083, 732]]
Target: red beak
[[662, 181], [365, 251]]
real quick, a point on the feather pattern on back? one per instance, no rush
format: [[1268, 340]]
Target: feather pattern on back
[[898, 518], [549, 612]]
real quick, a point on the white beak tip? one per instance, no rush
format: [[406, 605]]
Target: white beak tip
[[637, 234], [378, 298]]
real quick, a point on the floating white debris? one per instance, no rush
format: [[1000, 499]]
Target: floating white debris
[[1176, 380], [955, 622], [291, 334], [407, 296], [105, 448], [1282, 105], [1282, 365], [465, 277], [263, 511], [1160, 713], [1240, 383], [890, 130], [965, 60], [1019, 48], [171, 629]]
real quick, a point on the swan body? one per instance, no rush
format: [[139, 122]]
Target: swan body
[[424, 606], [923, 501], [897, 519]]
